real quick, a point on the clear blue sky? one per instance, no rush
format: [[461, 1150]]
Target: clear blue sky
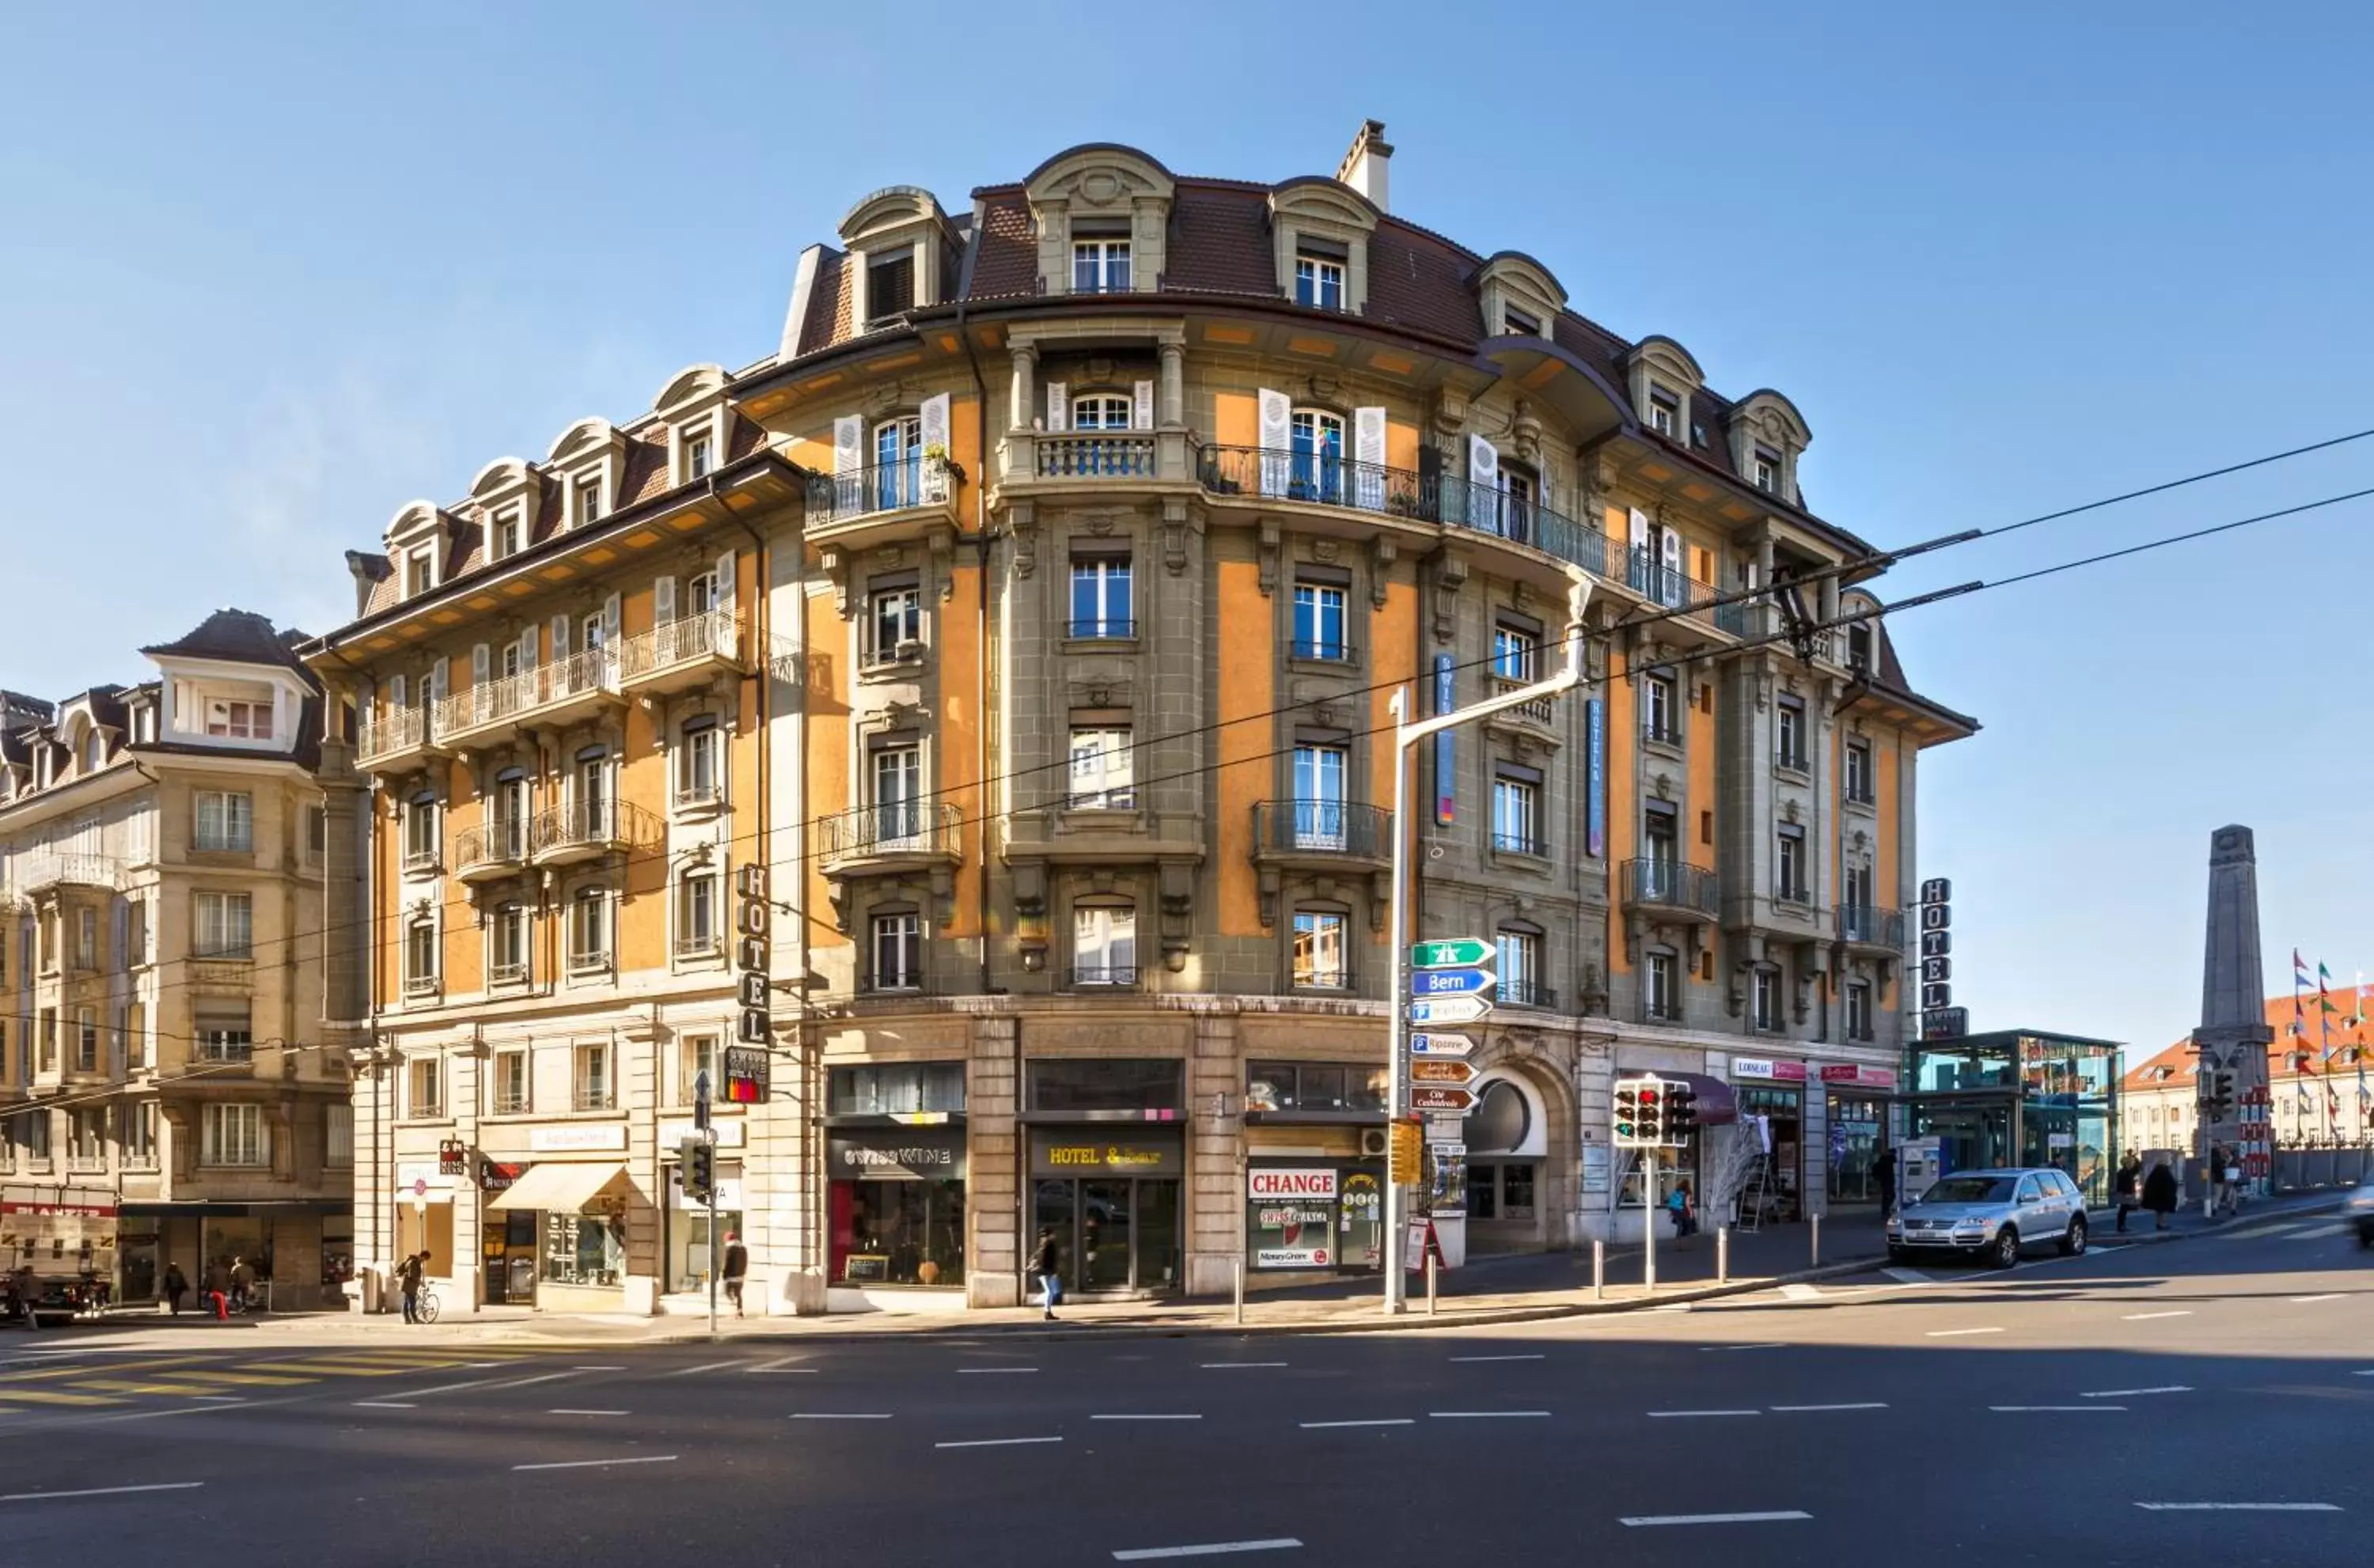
[[266, 273]]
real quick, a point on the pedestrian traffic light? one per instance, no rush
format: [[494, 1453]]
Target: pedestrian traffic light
[[699, 1160], [1627, 1114], [2217, 1095], [1653, 1113], [1640, 1112], [1681, 1112]]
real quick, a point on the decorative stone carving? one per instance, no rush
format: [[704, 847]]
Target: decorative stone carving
[[1176, 519], [1450, 577], [1324, 551], [1266, 544], [1381, 553], [835, 566], [1023, 519], [942, 543]]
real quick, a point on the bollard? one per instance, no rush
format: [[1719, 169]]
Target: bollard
[[1429, 1283], [1817, 1241], [1598, 1271], [1240, 1292], [1723, 1254]]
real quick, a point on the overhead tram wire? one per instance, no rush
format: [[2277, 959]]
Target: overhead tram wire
[[1674, 661]]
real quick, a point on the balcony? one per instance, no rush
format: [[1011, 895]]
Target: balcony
[[490, 850], [562, 836], [885, 491], [909, 833], [1103, 977], [1864, 925], [1321, 833], [574, 688], [1689, 892], [698, 949], [396, 740], [1662, 585], [46, 871], [1540, 714], [682, 654], [1102, 454], [1525, 993]]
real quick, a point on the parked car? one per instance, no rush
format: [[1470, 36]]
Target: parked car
[[2360, 1208], [1993, 1215]]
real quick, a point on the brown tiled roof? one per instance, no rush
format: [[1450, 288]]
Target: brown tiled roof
[[746, 437], [828, 305], [235, 636], [647, 471], [1219, 241], [1420, 281], [1005, 257]]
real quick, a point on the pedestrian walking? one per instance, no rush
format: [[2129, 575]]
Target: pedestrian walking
[[737, 1265], [1046, 1263], [28, 1290], [242, 1283], [1677, 1203], [2159, 1193], [177, 1286], [2125, 1185], [408, 1276]]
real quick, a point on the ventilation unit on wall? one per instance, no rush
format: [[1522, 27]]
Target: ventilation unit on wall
[[1373, 1142]]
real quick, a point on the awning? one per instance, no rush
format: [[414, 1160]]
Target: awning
[[563, 1188]]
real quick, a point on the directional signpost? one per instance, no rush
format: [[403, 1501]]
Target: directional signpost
[[1440, 1070], [1450, 983], [1439, 1097], [1434, 1010], [1459, 952], [1440, 1045]]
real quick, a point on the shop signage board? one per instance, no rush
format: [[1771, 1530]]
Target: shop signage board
[[596, 1139], [1439, 1097], [1770, 1072], [1435, 1010], [1086, 1153], [1449, 982], [1596, 1167], [727, 1132], [1440, 1070], [1291, 1182], [894, 1153], [1453, 953], [1940, 1019], [1436, 1043], [754, 1031], [1857, 1075]]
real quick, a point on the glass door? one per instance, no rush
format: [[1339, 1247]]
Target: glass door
[[1319, 797], [1105, 1231], [1158, 1236]]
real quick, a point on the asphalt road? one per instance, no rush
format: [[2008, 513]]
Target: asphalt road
[[2211, 1400]]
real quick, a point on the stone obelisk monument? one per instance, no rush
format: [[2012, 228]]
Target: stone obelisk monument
[[2234, 1036]]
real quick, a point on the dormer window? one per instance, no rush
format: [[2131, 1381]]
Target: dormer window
[[238, 720], [419, 573], [697, 458], [510, 534], [1664, 410], [1767, 470], [94, 752], [1517, 323], [890, 286], [589, 499], [1318, 281], [1100, 266]]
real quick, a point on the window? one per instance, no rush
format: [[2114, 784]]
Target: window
[[420, 832], [1516, 815], [1659, 711], [1518, 323], [510, 533], [697, 775], [1859, 1009], [1665, 411], [418, 575], [1104, 947], [225, 820], [696, 457], [898, 463], [140, 1134], [897, 953], [234, 1135], [593, 819], [224, 1031], [1316, 470], [1319, 622], [896, 1088], [226, 923], [1100, 597], [86, 1054], [238, 720], [1859, 887], [1318, 815], [1100, 266], [896, 621], [589, 499], [1319, 281], [48, 1039], [590, 1077], [1859, 648], [701, 1054], [1516, 654], [87, 1140], [1319, 952], [1314, 1086], [420, 957], [700, 593], [1767, 470], [1859, 783], [424, 1088], [589, 929], [897, 802], [1662, 987], [508, 814], [1789, 733], [1768, 998], [86, 952], [890, 286], [1661, 827], [1102, 769], [510, 1083], [1520, 970], [1789, 882], [697, 932], [507, 934]]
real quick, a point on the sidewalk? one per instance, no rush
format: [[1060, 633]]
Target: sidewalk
[[1528, 1288]]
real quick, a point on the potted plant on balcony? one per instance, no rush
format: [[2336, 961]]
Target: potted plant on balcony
[[936, 458]]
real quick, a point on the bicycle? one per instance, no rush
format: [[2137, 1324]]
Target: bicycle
[[425, 1305]]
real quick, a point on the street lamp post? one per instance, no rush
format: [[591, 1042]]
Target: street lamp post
[[1406, 735]]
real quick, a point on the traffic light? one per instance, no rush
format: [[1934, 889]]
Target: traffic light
[[2217, 1096], [699, 1161], [1681, 1112], [1653, 1113], [1627, 1114]]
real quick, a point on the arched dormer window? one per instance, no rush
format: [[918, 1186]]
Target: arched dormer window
[[591, 458], [1663, 379], [420, 544], [1767, 433], [1520, 297], [1103, 217], [507, 496], [1319, 233], [901, 249], [694, 409]]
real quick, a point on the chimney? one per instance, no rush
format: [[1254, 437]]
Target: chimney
[[1365, 166]]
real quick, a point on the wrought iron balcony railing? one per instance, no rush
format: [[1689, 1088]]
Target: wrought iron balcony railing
[[1335, 827], [884, 487], [1871, 925], [1673, 885], [905, 827]]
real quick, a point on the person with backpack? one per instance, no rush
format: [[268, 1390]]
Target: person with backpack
[[1046, 1263]]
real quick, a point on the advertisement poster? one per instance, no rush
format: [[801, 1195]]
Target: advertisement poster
[[1594, 794]]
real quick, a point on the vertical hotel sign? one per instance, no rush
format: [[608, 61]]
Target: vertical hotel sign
[[1940, 1019], [1594, 794], [747, 1059], [1446, 757]]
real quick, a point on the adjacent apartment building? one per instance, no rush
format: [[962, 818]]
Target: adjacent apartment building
[[1029, 619], [161, 975]]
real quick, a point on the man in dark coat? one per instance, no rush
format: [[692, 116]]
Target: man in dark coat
[[2159, 1193]]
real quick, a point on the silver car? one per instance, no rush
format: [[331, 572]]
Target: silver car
[[1993, 1215]]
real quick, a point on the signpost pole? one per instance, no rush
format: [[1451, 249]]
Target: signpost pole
[[1395, 1029], [1649, 1221], [701, 1124]]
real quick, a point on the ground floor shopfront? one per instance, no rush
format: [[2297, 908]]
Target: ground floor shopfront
[[303, 1251]]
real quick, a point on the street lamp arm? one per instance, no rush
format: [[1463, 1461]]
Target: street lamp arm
[[1565, 679]]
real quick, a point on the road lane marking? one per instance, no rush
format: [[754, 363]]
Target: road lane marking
[[1384, 1421], [565, 1410], [2136, 1393], [1678, 1415], [1807, 1409], [984, 1369], [995, 1441], [1536, 1356], [2053, 1410], [1238, 1366], [52, 1397], [1958, 1333], [2317, 1232], [100, 1491], [598, 1369], [1485, 1415], [1147, 1417], [449, 1389], [2304, 1301], [1769, 1345], [384, 1404], [1216, 1548], [781, 1364], [695, 1371], [599, 1464], [524, 1382], [2240, 1507], [1649, 1521], [1799, 1292], [1907, 1276], [2148, 1316], [841, 1415]]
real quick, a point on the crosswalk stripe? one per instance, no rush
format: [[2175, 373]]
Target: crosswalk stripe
[[58, 1374], [131, 1386], [53, 1397], [249, 1379]]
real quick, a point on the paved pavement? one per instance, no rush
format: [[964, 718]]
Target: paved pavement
[[2213, 1401]]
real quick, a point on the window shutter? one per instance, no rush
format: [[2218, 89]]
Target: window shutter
[[1483, 483], [1142, 410], [848, 444], [527, 648], [560, 638], [610, 608], [1368, 459], [1277, 437], [1644, 545], [725, 582], [933, 422], [1059, 407], [480, 665], [663, 600], [395, 693], [437, 678], [1673, 564]]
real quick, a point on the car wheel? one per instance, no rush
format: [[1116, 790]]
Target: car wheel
[[2074, 1244], [2366, 1235], [2005, 1251]]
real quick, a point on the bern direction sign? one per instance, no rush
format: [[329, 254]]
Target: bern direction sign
[[1435, 1010], [1456, 952], [1440, 1045], [1439, 1098], [1451, 982]]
